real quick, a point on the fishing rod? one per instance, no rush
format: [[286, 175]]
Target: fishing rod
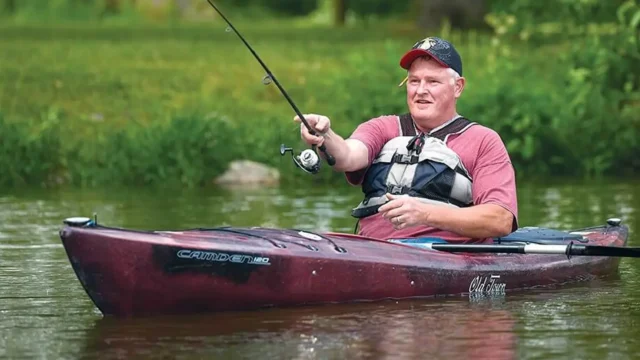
[[308, 160]]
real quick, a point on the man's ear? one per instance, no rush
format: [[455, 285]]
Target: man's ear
[[459, 86]]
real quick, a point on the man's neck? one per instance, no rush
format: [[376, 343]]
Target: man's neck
[[434, 125]]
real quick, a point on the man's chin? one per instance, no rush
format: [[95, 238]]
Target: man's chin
[[421, 114], [423, 106]]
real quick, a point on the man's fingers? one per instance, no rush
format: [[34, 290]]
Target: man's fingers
[[317, 122], [392, 204], [390, 196], [311, 139], [319, 126], [317, 140], [322, 125], [311, 119], [391, 214]]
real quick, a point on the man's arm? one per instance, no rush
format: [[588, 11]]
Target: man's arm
[[477, 222], [350, 154]]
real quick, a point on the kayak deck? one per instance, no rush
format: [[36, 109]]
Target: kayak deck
[[130, 273]]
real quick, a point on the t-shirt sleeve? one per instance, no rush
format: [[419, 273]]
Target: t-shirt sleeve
[[373, 134], [494, 176]]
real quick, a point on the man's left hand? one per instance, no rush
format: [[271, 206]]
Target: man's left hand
[[404, 211]]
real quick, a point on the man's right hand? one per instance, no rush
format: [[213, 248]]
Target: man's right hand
[[321, 124]]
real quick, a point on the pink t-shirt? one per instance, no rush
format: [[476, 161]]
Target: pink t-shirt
[[483, 154]]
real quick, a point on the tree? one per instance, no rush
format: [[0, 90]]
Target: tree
[[292, 7], [111, 7], [10, 6], [461, 14], [367, 8], [339, 12]]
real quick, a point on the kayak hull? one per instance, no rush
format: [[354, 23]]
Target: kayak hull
[[136, 273]]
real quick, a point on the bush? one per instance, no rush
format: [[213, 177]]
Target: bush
[[385, 8], [291, 7], [175, 105], [596, 74], [188, 151], [31, 151]]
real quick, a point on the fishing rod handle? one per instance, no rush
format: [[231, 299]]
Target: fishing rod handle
[[330, 159]]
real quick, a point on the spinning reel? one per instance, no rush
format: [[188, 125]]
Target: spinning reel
[[308, 160]]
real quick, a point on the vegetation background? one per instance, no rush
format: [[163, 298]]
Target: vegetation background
[[147, 92]]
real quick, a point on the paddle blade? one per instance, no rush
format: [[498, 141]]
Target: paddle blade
[[597, 250]]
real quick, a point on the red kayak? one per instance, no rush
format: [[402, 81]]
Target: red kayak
[[133, 273]]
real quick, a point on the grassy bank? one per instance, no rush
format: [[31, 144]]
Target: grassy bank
[[96, 105]]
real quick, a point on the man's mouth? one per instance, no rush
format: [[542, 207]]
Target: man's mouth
[[423, 102]]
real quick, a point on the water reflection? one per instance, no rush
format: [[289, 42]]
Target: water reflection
[[389, 330]]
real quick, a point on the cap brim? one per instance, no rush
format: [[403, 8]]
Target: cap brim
[[413, 54]]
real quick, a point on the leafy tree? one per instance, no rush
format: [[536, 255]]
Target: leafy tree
[[10, 6], [597, 46], [292, 7], [377, 7], [339, 12]]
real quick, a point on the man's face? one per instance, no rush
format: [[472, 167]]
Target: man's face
[[431, 92]]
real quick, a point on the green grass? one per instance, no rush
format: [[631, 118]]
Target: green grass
[[114, 95], [144, 73], [119, 74]]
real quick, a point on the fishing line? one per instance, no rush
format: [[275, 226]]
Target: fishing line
[[308, 160]]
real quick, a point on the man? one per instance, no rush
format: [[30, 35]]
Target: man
[[429, 173]]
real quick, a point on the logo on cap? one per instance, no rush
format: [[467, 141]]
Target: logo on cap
[[425, 44]]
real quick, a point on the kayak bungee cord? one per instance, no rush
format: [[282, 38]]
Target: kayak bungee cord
[[308, 160]]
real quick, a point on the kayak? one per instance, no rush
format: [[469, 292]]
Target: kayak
[[129, 272]]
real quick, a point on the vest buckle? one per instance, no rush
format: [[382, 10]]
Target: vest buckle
[[405, 159], [396, 189]]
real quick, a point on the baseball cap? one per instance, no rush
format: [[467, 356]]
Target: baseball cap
[[440, 50]]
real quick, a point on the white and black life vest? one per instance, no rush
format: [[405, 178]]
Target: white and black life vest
[[419, 165]]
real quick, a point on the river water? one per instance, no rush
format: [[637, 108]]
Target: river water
[[45, 313]]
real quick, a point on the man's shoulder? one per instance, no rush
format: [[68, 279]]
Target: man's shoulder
[[482, 132], [383, 124], [384, 119], [478, 140]]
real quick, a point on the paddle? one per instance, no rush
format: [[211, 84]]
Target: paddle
[[569, 249]]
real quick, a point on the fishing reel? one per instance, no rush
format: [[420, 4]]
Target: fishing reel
[[308, 160]]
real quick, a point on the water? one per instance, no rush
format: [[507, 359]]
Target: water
[[45, 313]]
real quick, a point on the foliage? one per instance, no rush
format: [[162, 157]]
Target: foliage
[[291, 7], [377, 7], [598, 48], [140, 11], [31, 150], [185, 150], [162, 104]]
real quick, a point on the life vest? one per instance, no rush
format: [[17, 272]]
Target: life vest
[[419, 165]]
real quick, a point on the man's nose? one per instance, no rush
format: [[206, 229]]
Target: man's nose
[[422, 88]]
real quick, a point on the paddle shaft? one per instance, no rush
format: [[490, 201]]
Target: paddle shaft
[[330, 159], [569, 249]]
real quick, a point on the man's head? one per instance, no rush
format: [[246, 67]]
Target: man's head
[[434, 81]]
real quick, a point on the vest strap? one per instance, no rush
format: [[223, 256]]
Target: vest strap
[[405, 159], [454, 127], [406, 125], [397, 189]]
